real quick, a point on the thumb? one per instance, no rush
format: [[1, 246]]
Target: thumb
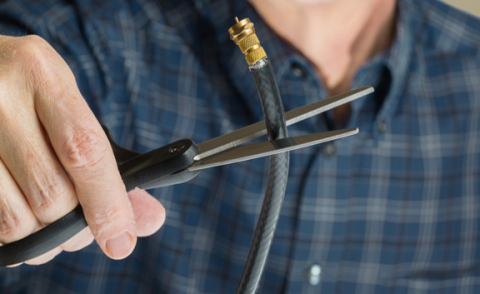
[[149, 212]]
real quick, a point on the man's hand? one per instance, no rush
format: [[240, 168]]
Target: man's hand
[[54, 154]]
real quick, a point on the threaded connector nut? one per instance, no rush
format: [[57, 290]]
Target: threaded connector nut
[[243, 34]]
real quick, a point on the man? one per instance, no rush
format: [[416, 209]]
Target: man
[[394, 209]]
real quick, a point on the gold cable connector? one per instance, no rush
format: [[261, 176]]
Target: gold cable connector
[[243, 34]]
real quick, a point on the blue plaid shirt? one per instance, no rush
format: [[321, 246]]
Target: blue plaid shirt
[[395, 209]]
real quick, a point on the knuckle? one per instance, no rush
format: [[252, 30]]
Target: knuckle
[[32, 45], [40, 62], [84, 149], [30, 63], [33, 51], [107, 220], [34, 39], [48, 197], [106, 215], [26, 59], [10, 224], [47, 187]]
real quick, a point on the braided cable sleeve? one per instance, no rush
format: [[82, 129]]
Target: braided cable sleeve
[[277, 181]]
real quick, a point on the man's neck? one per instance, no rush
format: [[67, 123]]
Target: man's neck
[[337, 36]]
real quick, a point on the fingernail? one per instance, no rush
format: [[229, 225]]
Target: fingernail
[[121, 246]]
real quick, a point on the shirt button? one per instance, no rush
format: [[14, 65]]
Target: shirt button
[[314, 274], [382, 126], [297, 71], [329, 150]]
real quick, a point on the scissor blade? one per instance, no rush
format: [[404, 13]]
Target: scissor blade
[[240, 136], [261, 149]]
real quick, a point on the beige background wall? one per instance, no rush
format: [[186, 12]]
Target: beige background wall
[[472, 6]]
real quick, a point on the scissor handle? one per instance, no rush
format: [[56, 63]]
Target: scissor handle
[[164, 166]]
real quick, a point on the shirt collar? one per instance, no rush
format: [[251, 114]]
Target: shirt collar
[[398, 57], [396, 60], [220, 14]]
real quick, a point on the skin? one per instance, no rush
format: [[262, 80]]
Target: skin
[[336, 36], [54, 155]]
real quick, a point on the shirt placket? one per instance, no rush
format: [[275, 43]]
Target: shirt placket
[[321, 232], [299, 86]]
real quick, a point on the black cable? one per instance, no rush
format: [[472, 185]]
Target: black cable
[[277, 181]]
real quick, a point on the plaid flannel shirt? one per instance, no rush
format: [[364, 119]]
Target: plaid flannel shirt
[[394, 209]]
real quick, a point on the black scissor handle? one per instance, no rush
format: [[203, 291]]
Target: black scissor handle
[[164, 166]]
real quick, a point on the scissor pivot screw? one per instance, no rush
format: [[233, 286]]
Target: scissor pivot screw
[[176, 148]]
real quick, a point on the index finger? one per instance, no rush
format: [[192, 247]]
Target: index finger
[[85, 153]]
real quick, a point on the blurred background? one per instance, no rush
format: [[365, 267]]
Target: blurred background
[[472, 6]]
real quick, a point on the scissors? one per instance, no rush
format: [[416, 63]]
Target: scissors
[[179, 162]]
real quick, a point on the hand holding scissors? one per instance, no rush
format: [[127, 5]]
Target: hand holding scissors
[[180, 162]]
